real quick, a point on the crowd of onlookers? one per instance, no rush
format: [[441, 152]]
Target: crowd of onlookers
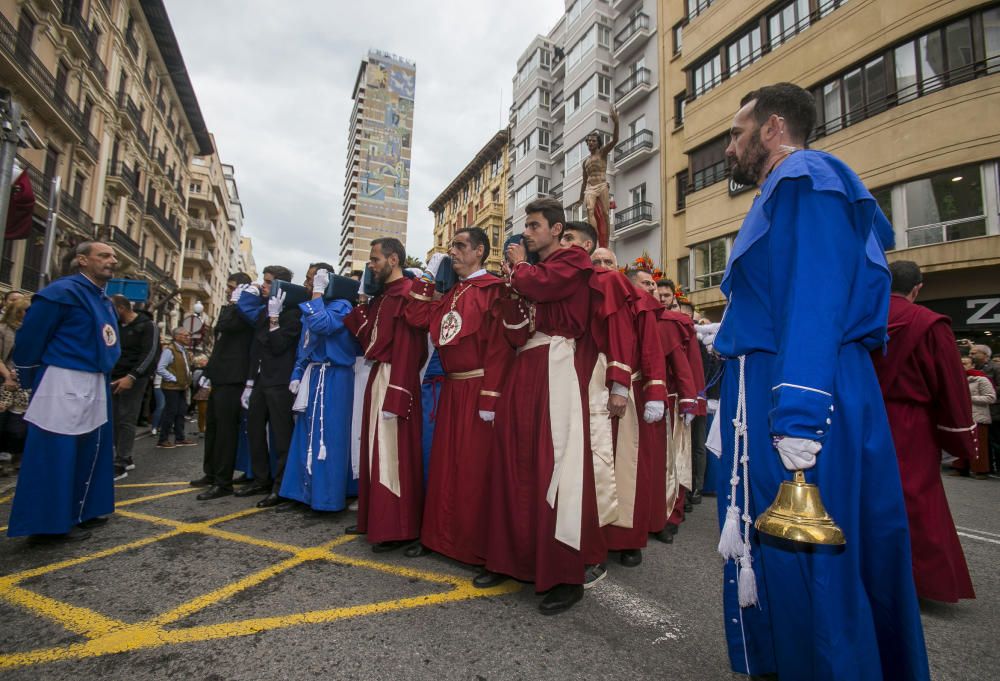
[[982, 370]]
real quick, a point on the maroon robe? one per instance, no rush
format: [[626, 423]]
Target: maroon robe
[[454, 521], [929, 407], [649, 385], [382, 331], [521, 536], [674, 329], [700, 405]]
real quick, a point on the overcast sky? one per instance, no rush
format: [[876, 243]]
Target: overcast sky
[[274, 82]]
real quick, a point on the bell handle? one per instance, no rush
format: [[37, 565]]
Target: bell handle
[[800, 477]]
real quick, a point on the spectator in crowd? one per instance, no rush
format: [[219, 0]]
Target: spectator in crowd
[[200, 389], [13, 396], [984, 395], [9, 298], [138, 336], [980, 355], [174, 368]]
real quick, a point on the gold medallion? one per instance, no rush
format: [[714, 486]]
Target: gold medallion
[[451, 326]]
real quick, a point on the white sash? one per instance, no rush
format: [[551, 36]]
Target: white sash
[[387, 433], [627, 461], [602, 444]]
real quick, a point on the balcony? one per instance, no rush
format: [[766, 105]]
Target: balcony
[[119, 239], [132, 45], [557, 191], [634, 150], [201, 256], [71, 212], [158, 275], [196, 285], [121, 177], [82, 38], [634, 88], [558, 106], [206, 227], [99, 70], [633, 36], [90, 145], [636, 219], [168, 225], [40, 184]]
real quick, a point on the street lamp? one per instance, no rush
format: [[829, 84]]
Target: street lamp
[[198, 308]]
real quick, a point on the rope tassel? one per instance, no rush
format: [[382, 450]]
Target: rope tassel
[[730, 543], [747, 580]]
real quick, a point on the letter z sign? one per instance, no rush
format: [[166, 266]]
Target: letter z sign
[[987, 310]]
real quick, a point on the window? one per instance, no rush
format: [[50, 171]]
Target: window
[[708, 163], [538, 97], [696, 7], [945, 207], [495, 166], [827, 6], [575, 11], [525, 192], [707, 75], [684, 272], [709, 262], [596, 85], [991, 28], [884, 199], [744, 51], [496, 196], [788, 21], [678, 37], [637, 126], [576, 154], [529, 66], [682, 190], [638, 194], [582, 47], [680, 101]]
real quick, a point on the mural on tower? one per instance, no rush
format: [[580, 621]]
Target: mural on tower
[[385, 163]]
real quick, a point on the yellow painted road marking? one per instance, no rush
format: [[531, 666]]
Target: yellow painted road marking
[[4, 500], [108, 636], [163, 495], [180, 483]]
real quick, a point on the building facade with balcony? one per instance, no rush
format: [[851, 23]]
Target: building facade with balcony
[[246, 261], [211, 236], [600, 54], [380, 138], [103, 84], [907, 95], [236, 215], [477, 197]]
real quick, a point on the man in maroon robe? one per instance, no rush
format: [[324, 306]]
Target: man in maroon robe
[[390, 488], [466, 327], [542, 506], [927, 400]]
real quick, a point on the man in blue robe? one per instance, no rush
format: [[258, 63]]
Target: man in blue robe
[[65, 351], [318, 473], [808, 290]]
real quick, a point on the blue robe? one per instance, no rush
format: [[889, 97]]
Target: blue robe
[[325, 425], [65, 479], [430, 395], [808, 290]]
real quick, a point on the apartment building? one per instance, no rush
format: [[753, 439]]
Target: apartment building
[[477, 197], [236, 215], [600, 54], [377, 177], [212, 236], [104, 86], [246, 262], [907, 95]]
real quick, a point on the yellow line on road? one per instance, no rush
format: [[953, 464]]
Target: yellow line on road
[[4, 500], [76, 619], [180, 483], [151, 497]]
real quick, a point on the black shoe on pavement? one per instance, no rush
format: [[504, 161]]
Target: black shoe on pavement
[[129, 463], [269, 501], [386, 546], [561, 598], [203, 481], [352, 529], [695, 498], [688, 506], [665, 535], [90, 523], [288, 505], [486, 579], [416, 549], [214, 492], [252, 490], [75, 534], [120, 472], [630, 557], [593, 574]]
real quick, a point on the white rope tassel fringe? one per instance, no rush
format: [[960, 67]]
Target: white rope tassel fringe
[[733, 546]]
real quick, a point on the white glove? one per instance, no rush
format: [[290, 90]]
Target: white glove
[[688, 418], [253, 288], [293, 387], [320, 281], [653, 411], [434, 264], [237, 292], [487, 416], [245, 397], [619, 389], [797, 454], [275, 304], [388, 415]]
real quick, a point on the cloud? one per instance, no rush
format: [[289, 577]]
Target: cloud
[[275, 81]]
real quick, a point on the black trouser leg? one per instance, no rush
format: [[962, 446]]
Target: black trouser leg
[[222, 433], [698, 452], [257, 417], [126, 415], [173, 415], [279, 405]]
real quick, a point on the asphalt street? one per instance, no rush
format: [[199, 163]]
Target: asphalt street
[[176, 588]]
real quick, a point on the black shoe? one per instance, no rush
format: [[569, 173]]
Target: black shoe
[[75, 534], [487, 579], [353, 529], [203, 481], [252, 490], [120, 472], [270, 500], [416, 549], [214, 492], [287, 505], [386, 546], [688, 506], [695, 498], [90, 523], [128, 463], [665, 535], [561, 598], [630, 557], [242, 479]]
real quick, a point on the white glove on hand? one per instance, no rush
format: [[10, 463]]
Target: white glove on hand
[[388, 415], [320, 281], [237, 292], [293, 387], [275, 304], [619, 389], [688, 418], [434, 264], [797, 454], [245, 397], [487, 416], [253, 288], [653, 411]]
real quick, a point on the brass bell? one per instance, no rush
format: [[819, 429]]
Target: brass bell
[[798, 515]]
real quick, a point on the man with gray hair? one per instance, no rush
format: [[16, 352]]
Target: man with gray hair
[[980, 355], [174, 368]]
